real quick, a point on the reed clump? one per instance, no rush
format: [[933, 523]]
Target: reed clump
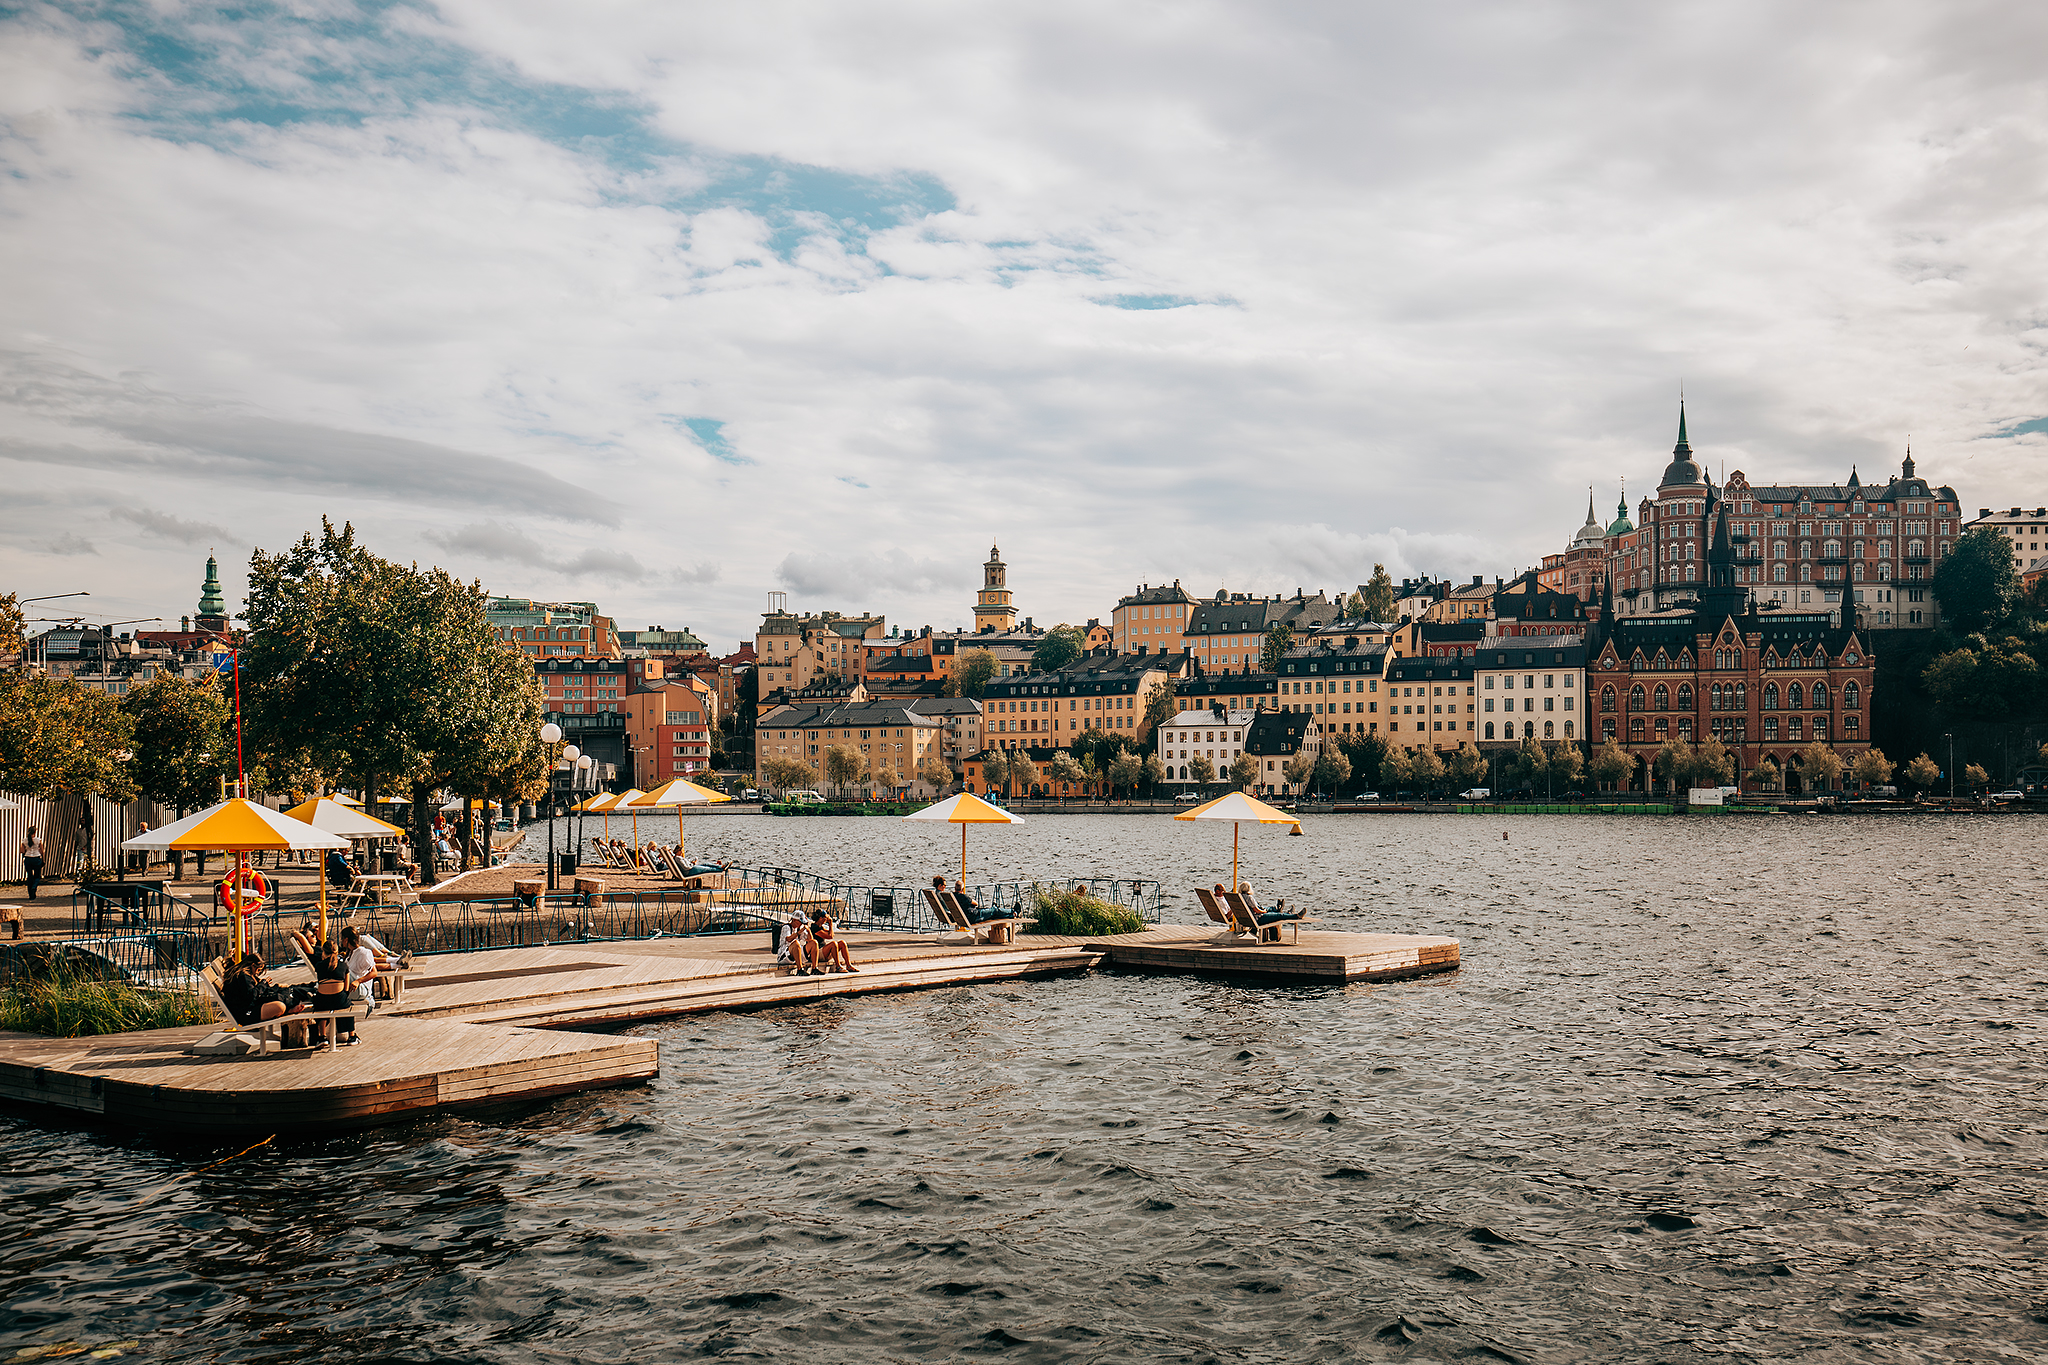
[[59, 999], [1076, 913]]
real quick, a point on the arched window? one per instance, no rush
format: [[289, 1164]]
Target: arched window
[[1820, 696], [1806, 573], [1831, 550], [1635, 730], [1856, 572], [1770, 696], [1663, 697], [1916, 549], [1852, 696], [1714, 697], [1550, 729], [1856, 550], [1528, 729], [1792, 695], [1742, 696], [1778, 550], [1806, 549], [1607, 699], [1689, 571], [1489, 729], [1635, 697], [1685, 696], [1567, 729]]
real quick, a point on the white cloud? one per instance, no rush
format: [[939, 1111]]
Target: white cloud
[[1467, 251]]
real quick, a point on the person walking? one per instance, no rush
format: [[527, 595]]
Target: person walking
[[32, 861]]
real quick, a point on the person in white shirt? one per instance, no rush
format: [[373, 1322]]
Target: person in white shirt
[[362, 970], [796, 951]]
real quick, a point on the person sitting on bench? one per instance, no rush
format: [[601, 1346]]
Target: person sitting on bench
[[340, 872], [975, 913], [330, 979], [1276, 915], [252, 999], [796, 950]]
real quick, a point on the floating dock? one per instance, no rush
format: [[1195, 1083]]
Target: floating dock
[[500, 1026]]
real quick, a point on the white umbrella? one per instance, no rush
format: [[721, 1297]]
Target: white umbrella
[[1239, 809], [963, 810]]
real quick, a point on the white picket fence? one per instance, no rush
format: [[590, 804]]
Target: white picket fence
[[61, 824]]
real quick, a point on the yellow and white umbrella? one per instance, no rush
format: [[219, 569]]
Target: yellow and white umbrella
[[240, 827], [963, 810], [677, 791], [348, 821], [345, 800], [1239, 809]]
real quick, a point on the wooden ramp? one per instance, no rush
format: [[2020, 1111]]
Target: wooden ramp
[[401, 1069]]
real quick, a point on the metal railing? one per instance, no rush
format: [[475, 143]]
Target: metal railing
[[858, 905], [164, 961]]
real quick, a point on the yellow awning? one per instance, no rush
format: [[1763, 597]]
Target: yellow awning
[[236, 825]]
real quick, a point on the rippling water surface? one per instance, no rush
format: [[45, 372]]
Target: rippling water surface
[[1704, 1090]]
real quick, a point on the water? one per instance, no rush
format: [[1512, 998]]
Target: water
[[1705, 1090]]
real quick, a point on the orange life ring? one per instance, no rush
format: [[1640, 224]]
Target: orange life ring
[[243, 891]]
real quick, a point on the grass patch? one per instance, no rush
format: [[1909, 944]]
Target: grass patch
[[58, 1001], [1079, 914]]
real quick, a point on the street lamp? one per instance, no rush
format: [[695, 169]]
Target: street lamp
[[551, 735], [1951, 766]]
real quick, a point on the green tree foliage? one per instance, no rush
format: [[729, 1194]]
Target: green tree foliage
[[1397, 769], [1377, 596], [1023, 771], [1567, 767], [974, 670], [1871, 768], [1298, 768], [1922, 773], [1061, 646], [1426, 770], [1160, 707], [1244, 771], [183, 741], [380, 671], [995, 770], [933, 770], [1990, 681], [843, 766], [1712, 765], [1467, 766], [1673, 762], [1978, 584], [1278, 641], [1125, 771], [780, 774], [1820, 768], [1201, 770], [1332, 770], [1611, 765], [61, 738], [1766, 774], [13, 629], [1531, 764], [1368, 755], [1975, 777], [1066, 770], [1154, 771]]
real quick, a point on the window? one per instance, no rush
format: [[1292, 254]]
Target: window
[[1685, 696], [1663, 695], [1607, 699], [1635, 697]]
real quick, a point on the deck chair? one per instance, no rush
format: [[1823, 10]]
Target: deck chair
[[1224, 917], [213, 976], [951, 921], [1242, 912], [960, 920]]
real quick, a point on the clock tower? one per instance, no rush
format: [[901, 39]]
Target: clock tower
[[992, 609]]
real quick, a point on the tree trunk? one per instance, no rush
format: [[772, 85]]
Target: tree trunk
[[468, 830], [423, 831]]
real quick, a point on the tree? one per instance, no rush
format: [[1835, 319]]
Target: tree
[[1991, 681], [974, 669], [934, 771], [61, 738], [1298, 768], [1467, 766], [1332, 770], [995, 770], [1125, 771], [1160, 707], [1397, 769], [1244, 771], [1922, 773], [1061, 646], [842, 766], [1871, 768], [1978, 583], [1154, 772], [1378, 595], [13, 629], [1567, 766], [1427, 770], [1023, 772], [1066, 771], [1673, 763], [1278, 641], [1354, 607], [1712, 764], [781, 774], [182, 743], [1368, 755], [1975, 776], [1531, 763], [1766, 774], [1611, 765], [1820, 768], [1201, 770]]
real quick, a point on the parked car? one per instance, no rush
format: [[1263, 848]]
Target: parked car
[[1366, 796], [750, 794], [2009, 796], [1887, 792], [1476, 793], [806, 798], [1186, 798]]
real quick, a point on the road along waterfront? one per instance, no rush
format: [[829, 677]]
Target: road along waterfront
[[1771, 1089]]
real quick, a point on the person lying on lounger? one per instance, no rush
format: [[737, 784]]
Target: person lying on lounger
[[976, 914], [1273, 916]]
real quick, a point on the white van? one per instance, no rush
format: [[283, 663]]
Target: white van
[[803, 798]]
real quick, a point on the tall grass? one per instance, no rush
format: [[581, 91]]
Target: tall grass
[[1079, 914], [61, 1004]]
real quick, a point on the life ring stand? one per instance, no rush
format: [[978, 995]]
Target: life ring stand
[[244, 890]]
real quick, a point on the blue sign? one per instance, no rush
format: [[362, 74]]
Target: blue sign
[[223, 663]]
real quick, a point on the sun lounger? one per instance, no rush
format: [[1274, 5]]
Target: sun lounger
[[211, 981], [1224, 917], [1000, 930], [1241, 911]]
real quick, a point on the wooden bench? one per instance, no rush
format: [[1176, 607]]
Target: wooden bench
[[211, 980]]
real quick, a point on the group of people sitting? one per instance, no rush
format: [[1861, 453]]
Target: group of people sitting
[[661, 859], [813, 947], [1261, 917], [344, 969], [976, 912]]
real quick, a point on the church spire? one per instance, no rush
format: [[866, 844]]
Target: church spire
[[1684, 447]]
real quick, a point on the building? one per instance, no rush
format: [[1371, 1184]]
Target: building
[[1529, 606], [1229, 630], [1046, 757], [1581, 571], [889, 736], [1763, 679], [1337, 680], [791, 650], [1215, 735], [668, 730], [1096, 636], [904, 677], [1863, 552], [587, 698], [1274, 737], [213, 607], [568, 630], [681, 646], [1205, 691], [1012, 649], [1431, 702], [2026, 531], [994, 611], [1466, 602], [1151, 620], [962, 718], [1531, 688], [1095, 692]]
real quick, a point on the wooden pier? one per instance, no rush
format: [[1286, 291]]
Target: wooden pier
[[500, 1026]]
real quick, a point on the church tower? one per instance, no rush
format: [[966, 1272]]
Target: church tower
[[213, 608], [992, 609]]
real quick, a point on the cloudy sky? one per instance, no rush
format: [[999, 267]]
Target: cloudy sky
[[673, 305]]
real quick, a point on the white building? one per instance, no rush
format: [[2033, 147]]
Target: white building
[[2026, 531], [1202, 734]]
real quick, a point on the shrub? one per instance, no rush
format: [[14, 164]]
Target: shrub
[[1079, 914], [58, 998]]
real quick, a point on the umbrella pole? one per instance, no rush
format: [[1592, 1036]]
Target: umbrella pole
[[1234, 829], [963, 855], [323, 898]]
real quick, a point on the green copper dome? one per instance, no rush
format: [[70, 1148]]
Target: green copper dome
[[1622, 525], [211, 603]]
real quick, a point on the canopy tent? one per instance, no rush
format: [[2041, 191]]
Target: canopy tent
[[476, 803], [345, 800], [240, 827], [1239, 809], [963, 810]]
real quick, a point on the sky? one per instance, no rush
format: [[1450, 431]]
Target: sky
[[669, 306]]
